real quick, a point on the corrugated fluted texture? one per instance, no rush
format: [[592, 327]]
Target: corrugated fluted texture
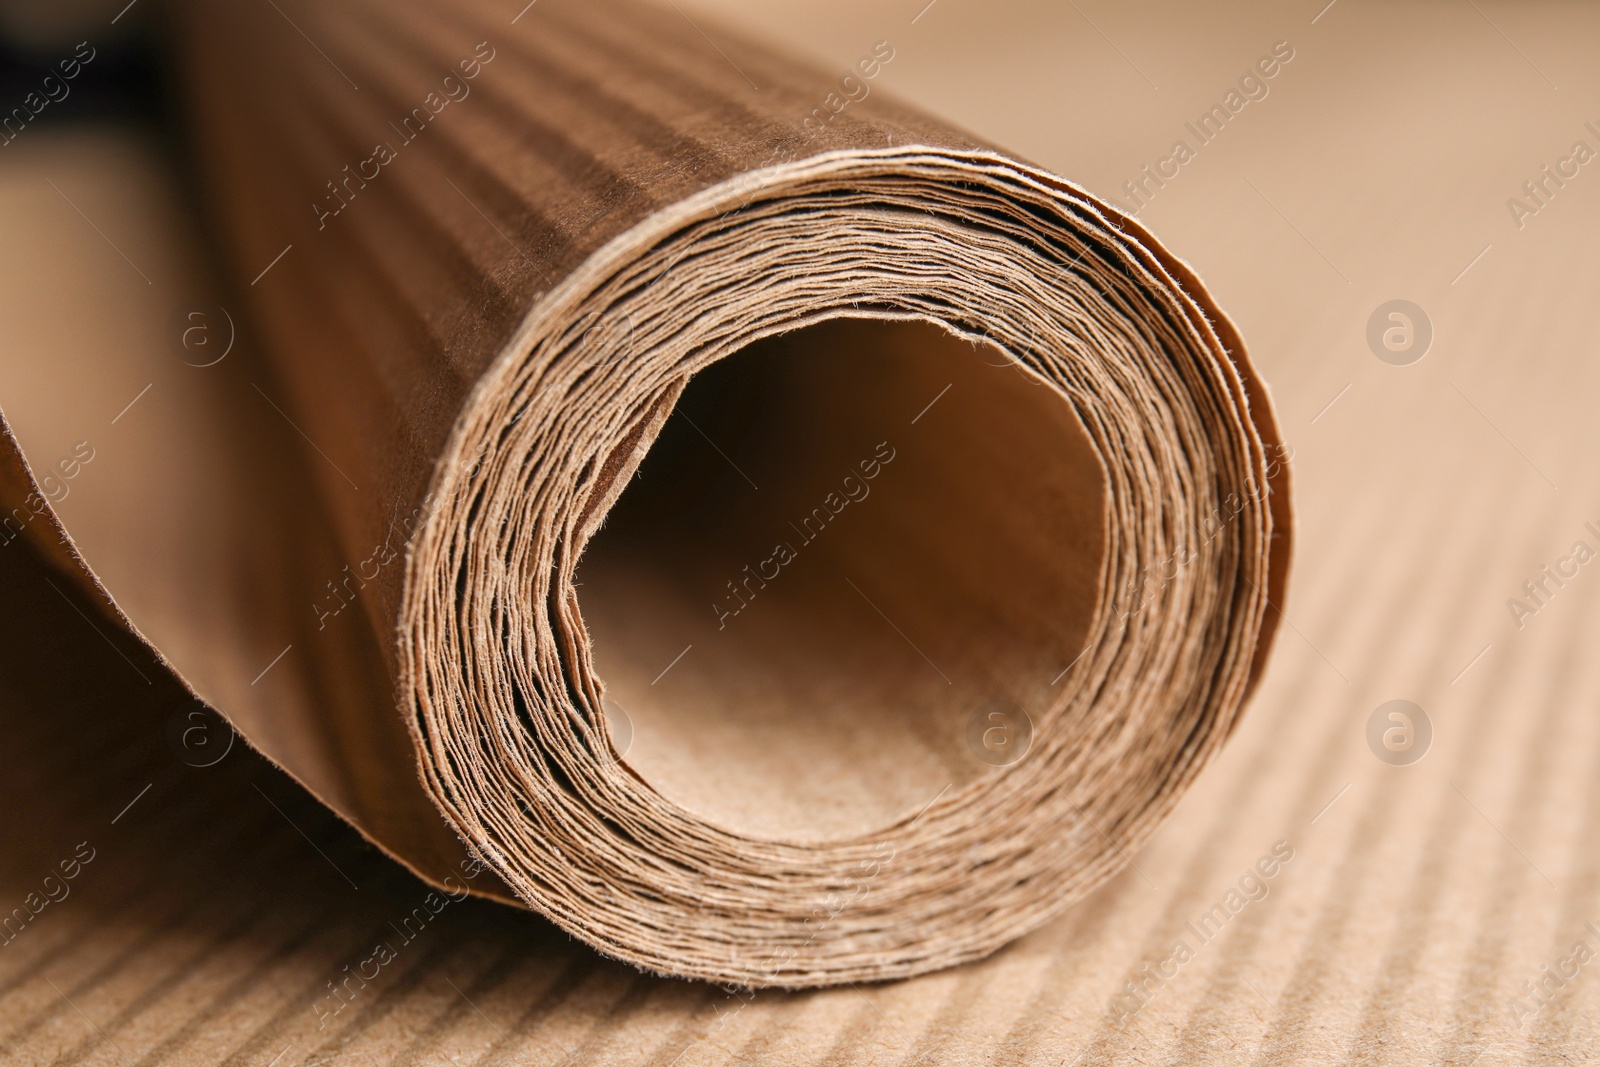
[[1414, 907], [431, 308], [629, 127], [395, 294], [392, 296]]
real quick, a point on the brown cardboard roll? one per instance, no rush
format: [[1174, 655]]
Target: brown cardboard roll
[[804, 545], [959, 561]]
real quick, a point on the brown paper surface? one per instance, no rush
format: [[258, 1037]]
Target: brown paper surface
[[1080, 535], [1414, 901]]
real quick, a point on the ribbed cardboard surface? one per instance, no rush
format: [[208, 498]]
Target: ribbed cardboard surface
[[1422, 905]]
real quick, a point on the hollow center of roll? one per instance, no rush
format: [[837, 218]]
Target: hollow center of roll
[[849, 549]]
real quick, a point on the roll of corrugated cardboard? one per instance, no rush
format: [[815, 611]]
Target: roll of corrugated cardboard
[[789, 542]]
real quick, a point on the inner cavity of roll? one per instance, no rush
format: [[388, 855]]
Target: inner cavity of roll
[[848, 543]]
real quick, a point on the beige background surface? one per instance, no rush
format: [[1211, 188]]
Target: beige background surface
[[1419, 898]]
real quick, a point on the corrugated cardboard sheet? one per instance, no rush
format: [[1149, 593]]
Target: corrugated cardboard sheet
[[1439, 910]]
